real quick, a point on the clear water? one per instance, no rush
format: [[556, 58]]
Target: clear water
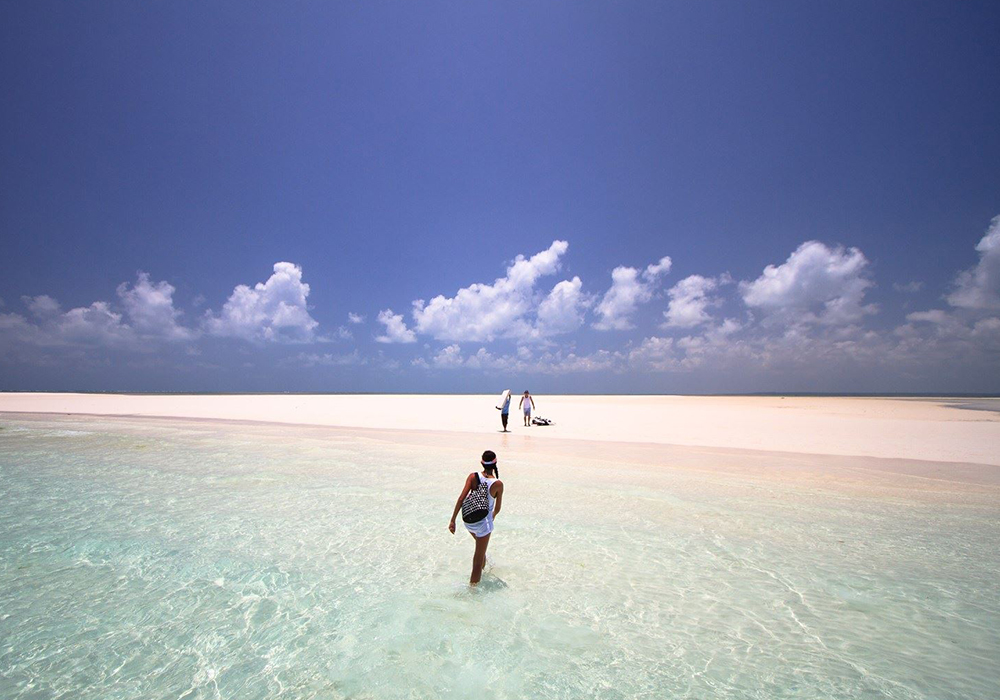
[[177, 560]]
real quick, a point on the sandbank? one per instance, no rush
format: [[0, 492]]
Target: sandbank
[[932, 430]]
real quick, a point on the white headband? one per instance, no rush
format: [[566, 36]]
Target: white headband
[[486, 464]]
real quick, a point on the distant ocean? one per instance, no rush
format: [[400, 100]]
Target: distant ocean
[[928, 396], [992, 406], [172, 559]]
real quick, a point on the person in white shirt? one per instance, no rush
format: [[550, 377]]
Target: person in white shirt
[[527, 403]]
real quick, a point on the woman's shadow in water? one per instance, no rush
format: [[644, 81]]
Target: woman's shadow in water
[[490, 583]]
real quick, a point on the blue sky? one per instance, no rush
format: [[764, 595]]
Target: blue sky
[[818, 174]]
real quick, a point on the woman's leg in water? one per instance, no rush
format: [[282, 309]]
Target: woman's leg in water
[[479, 559]]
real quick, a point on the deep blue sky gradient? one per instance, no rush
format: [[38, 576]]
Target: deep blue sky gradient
[[402, 150]]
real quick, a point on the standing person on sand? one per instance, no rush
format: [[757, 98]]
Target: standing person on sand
[[527, 403], [505, 412], [480, 503]]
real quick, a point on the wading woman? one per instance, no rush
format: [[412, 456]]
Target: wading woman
[[480, 502]]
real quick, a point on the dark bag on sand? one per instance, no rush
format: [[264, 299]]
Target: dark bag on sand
[[476, 505]]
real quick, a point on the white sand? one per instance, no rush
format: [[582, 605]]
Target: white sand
[[872, 427]]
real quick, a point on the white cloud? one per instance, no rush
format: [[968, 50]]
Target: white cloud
[[803, 327], [313, 359], [449, 357], [931, 316], [714, 344], [728, 327], [909, 287], [96, 324], [932, 345], [484, 312], [987, 326], [42, 306], [395, 328], [562, 310], [628, 289], [689, 300], [934, 323], [979, 287], [559, 362], [274, 310], [655, 354], [16, 332], [150, 309], [148, 306], [755, 352], [816, 284], [523, 361], [942, 343]]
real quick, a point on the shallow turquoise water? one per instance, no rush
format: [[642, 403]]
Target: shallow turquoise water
[[157, 559]]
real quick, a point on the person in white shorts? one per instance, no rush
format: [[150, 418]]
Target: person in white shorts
[[480, 503], [527, 403]]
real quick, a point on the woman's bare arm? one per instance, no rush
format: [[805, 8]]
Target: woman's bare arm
[[458, 503], [499, 499]]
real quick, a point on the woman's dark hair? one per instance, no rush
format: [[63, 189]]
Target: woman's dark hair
[[490, 456]]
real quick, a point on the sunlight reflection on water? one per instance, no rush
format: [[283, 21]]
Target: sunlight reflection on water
[[170, 559]]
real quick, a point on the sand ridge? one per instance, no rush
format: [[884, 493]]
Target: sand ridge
[[896, 428]]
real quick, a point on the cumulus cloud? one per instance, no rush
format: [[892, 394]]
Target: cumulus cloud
[[944, 342], [717, 348], [150, 308], [655, 353], [42, 306], [979, 287], [274, 310], [933, 349], [562, 310], [149, 314], [312, 359], [485, 312], [94, 325], [523, 361], [816, 284], [714, 343], [629, 288], [931, 316], [355, 318], [560, 362], [689, 301], [449, 357], [987, 327], [395, 328]]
